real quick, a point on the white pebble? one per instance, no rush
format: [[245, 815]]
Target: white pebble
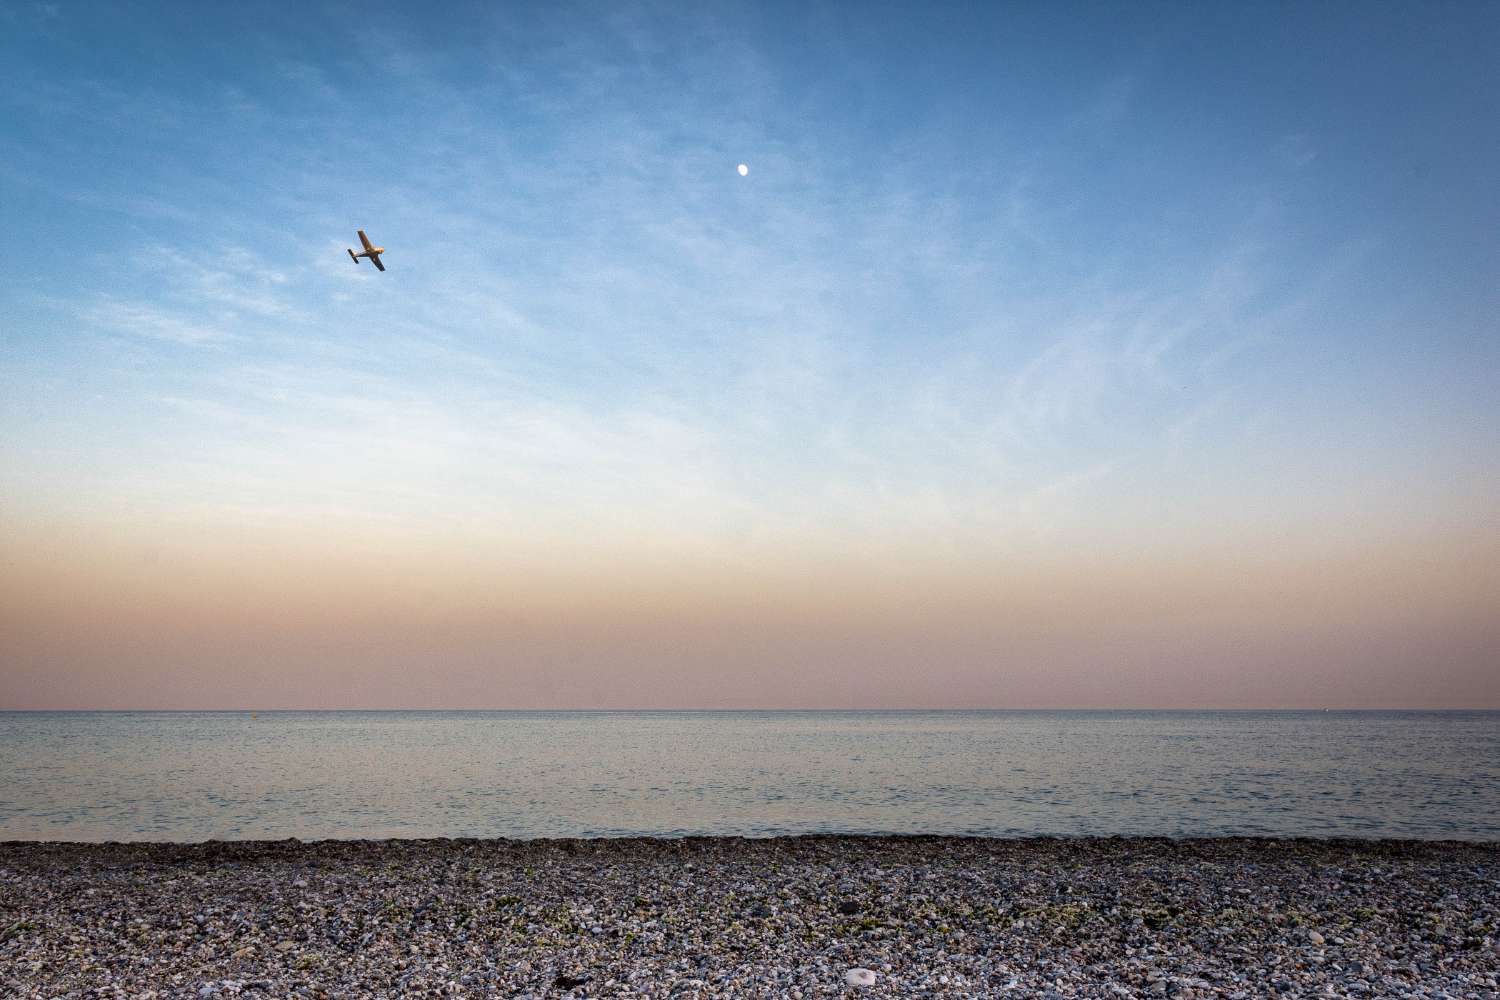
[[859, 977]]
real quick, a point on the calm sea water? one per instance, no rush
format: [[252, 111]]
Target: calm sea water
[[198, 775]]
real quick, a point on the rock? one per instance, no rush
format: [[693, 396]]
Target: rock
[[760, 911], [859, 977], [848, 907], [1314, 937]]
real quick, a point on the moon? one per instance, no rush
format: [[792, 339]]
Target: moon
[[742, 169]]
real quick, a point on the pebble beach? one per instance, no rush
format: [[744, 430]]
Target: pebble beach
[[818, 916]]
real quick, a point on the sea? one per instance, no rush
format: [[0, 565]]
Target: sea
[[193, 776]]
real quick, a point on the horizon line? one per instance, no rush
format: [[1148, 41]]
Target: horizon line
[[784, 710]]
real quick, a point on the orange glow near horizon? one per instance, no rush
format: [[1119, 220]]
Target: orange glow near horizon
[[115, 620]]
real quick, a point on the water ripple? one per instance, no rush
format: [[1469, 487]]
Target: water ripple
[[193, 776]]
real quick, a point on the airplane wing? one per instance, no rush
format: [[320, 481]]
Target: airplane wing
[[365, 240], [376, 261]]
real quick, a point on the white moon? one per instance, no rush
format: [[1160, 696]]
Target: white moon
[[743, 169]]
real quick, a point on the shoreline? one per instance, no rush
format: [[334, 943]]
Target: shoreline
[[702, 840], [1221, 840], [929, 915]]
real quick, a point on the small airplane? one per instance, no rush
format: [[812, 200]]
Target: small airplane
[[371, 252]]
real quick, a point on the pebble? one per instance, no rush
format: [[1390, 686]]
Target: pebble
[[955, 917]]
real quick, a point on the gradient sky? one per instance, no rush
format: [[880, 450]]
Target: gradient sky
[[1048, 356]]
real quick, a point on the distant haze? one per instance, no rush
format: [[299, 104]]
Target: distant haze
[[1113, 357]]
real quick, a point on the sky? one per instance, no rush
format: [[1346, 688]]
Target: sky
[[1047, 355]]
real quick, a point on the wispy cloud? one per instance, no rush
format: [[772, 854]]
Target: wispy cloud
[[142, 319], [588, 310]]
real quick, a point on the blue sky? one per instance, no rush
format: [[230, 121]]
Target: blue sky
[[1002, 282]]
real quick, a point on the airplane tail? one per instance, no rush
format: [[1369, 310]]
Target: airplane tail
[[352, 257]]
